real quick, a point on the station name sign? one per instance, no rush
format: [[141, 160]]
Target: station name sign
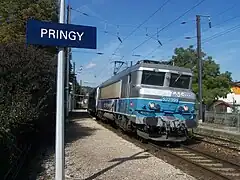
[[61, 35]]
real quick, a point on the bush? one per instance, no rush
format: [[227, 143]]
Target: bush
[[27, 104]]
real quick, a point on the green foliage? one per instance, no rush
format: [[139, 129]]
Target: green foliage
[[27, 74], [83, 90], [27, 83], [215, 83], [15, 13], [27, 79]]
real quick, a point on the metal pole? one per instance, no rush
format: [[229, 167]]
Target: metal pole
[[114, 69], [67, 64], [80, 90], [59, 148], [73, 85], [199, 67]]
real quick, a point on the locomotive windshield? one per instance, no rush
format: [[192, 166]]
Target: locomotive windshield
[[179, 81], [153, 78]]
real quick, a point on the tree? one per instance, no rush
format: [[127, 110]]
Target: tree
[[215, 83], [15, 13], [27, 81], [27, 91]]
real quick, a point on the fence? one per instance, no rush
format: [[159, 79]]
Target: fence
[[226, 119]]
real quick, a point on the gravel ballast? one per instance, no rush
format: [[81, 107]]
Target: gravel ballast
[[94, 152]]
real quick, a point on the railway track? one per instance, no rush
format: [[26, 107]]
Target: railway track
[[214, 165], [235, 146], [217, 166]]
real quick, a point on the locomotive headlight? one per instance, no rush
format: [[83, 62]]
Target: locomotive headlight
[[183, 108], [151, 105]]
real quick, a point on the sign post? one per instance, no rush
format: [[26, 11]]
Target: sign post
[[59, 142], [60, 35]]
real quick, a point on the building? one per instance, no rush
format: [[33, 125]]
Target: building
[[231, 103], [221, 106]]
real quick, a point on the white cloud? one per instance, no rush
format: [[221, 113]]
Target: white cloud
[[90, 65], [100, 68]]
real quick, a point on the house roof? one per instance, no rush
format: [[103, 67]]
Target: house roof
[[237, 83], [222, 102]]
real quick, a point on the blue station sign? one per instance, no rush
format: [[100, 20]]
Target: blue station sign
[[61, 35]]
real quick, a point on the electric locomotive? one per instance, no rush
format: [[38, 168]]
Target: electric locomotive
[[152, 99]]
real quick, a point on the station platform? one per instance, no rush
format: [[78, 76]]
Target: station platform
[[216, 130], [94, 152]]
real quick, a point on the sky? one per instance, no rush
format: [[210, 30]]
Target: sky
[[131, 20]]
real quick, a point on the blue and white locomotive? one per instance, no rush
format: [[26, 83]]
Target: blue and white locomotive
[[154, 100]]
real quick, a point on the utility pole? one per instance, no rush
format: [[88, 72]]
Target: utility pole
[[199, 55], [67, 64], [80, 90], [59, 147], [200, 65], [73, 86]]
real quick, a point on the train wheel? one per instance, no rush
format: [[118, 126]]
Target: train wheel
[[142, 140]]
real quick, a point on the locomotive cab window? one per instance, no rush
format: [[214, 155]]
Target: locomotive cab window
[[179, 81], [153, 78]]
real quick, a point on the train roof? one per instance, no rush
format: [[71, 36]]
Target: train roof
[[146, 64]]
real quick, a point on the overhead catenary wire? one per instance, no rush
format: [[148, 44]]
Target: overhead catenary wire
[[218, 24], [106, 22], [227, 20], [118, 26], [134, 26], [141, 24], [226, 10], [152, 51], [149, 17], [113, 34], [92, 16], [218, 14], [169, 24], [221, 33], [170, 40], [211, 37], [216, 35]]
